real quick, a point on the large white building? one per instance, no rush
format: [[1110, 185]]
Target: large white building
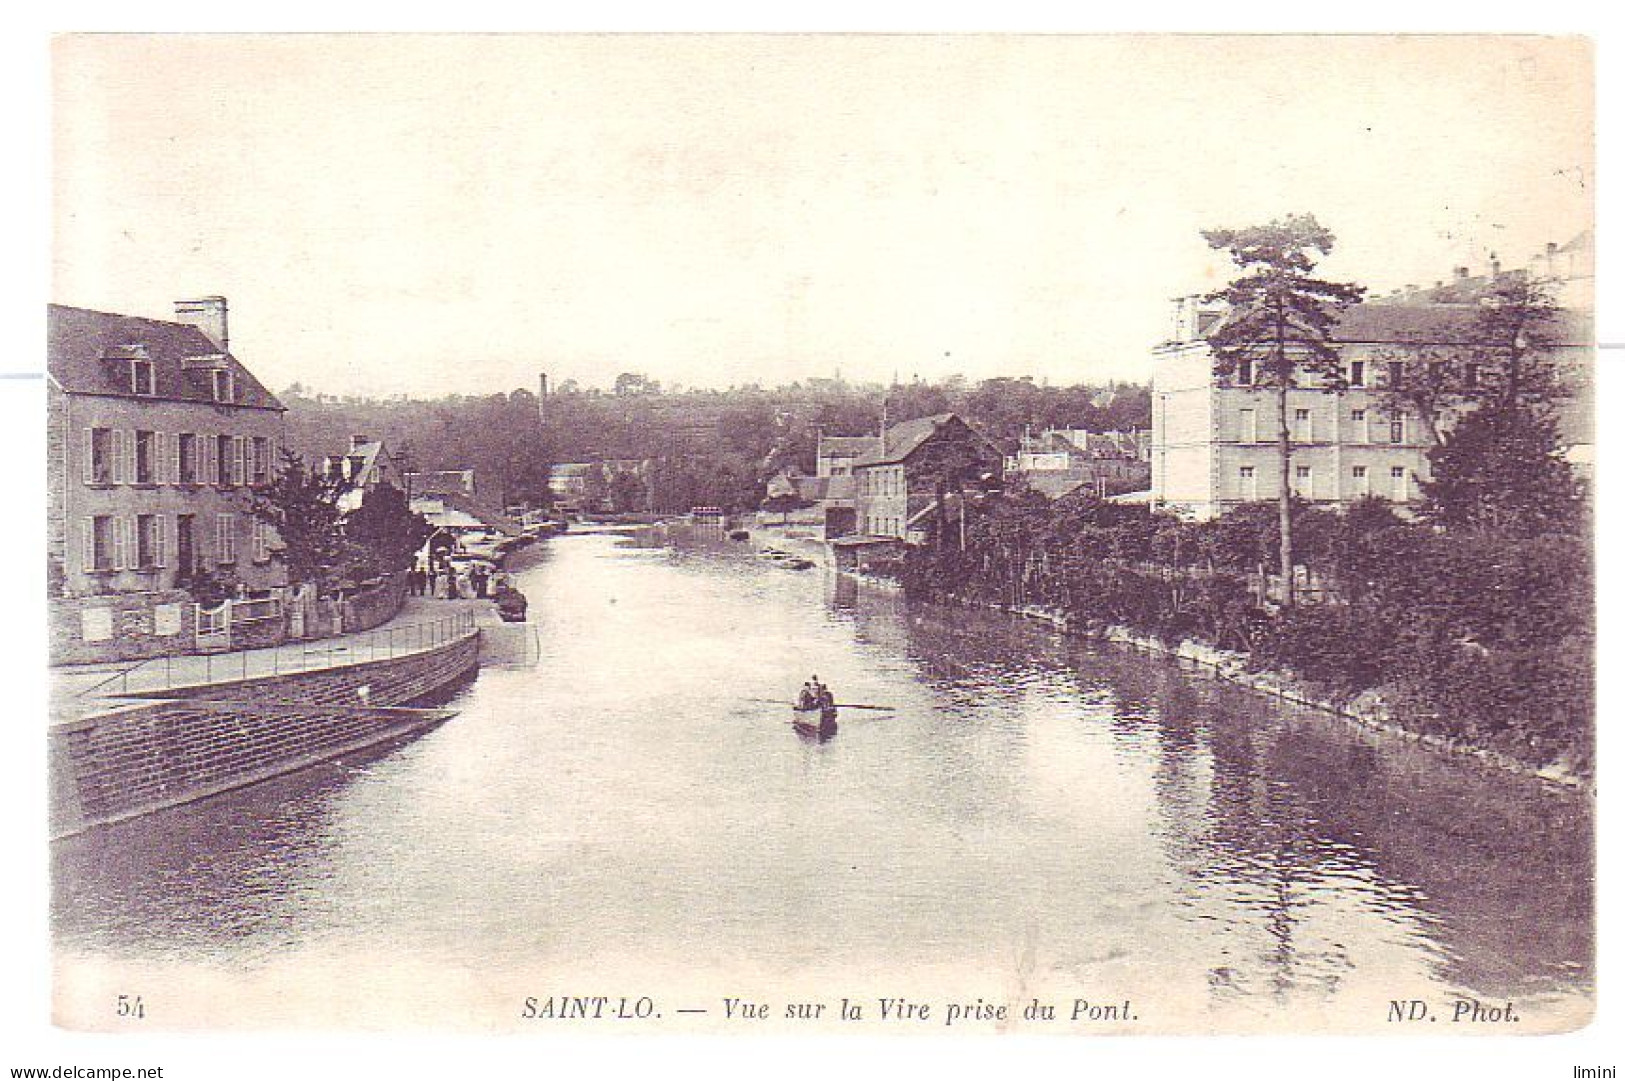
[[1214, 439]]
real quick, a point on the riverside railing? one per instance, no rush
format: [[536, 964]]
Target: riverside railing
[[385, 643]]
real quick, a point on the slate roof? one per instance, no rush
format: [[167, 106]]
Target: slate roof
[[846, 446], [1439, 324], [88, 352], [904, 439]]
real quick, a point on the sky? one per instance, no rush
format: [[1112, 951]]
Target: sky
[[430, 214]]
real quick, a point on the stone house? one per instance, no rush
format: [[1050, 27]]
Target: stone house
[[1213, 443], [895, 483], [156, 433]]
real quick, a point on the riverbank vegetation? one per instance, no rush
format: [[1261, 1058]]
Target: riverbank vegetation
[[1469, 616]]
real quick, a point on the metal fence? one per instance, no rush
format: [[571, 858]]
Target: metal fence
[[385, 643]]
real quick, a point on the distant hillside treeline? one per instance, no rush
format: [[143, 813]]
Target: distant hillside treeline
[[709, 446]]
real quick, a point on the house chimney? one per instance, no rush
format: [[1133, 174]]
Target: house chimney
[[208, 314], [1461, 273], [1495, 266], [359, 441]]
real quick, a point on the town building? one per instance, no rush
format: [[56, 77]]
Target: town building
[[568, 482], [157, 435], [441, 482], [836, 491], [1060, 461], [1213, 444], [895, 483], [365, 466]]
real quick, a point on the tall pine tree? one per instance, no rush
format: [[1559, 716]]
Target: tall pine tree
[[1277, 329]]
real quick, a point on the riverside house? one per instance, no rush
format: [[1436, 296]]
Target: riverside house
[[895, 482], [155, 432], [1213, 443]]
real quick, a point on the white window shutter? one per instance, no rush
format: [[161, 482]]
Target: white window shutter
[[129, 456], [159, 551], [175, 458], [90, 456], [118, 543], [239, 460], [87, 543], [208, 462]]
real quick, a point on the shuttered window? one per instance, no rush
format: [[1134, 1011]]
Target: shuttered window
[[225, 538], [121, 544]]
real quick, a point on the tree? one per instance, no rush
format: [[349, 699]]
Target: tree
[[1505, 359], [627, 492], [385, 531], [1500, 471], [1278, 325], [302, 507]]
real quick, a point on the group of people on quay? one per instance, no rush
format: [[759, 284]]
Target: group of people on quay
[[439, 577], [436, 575]]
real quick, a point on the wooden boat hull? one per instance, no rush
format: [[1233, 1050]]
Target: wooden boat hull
[[816, 719]]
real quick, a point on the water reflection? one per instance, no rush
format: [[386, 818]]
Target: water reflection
[[1280, 820], [1031, 807]]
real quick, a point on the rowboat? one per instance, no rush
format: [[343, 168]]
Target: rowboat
[[819, 719]]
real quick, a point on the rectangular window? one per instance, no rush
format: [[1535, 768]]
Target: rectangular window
[[1303, 425], [222, 460], [1249, 425], [239, 460], [122, 554], [1356, 373], [186, 556], [262, 460], [1401, 482], [1362, 483], [1249, 482], [146, 458], [186, 458], [1244, 372], [222, 385], [149, 542], [1303, 479], [141, 381], [225, 538], [1396, 373], [262, 541], [99, 456], [1396, 429], [97, 543]]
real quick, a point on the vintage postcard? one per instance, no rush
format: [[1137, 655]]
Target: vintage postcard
[[938, 535]]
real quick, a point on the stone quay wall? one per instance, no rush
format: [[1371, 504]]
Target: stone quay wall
[[193, 742]]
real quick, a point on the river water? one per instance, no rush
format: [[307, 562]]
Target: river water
[[1037, 819]]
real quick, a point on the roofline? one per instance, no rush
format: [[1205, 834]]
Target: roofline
[[277, 408]]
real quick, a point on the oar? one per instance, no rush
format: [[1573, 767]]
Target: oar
[[859, 705]]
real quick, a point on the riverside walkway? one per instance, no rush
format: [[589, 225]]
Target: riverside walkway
[[422, 623]]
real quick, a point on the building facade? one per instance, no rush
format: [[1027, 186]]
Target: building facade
[[1059, 461], [364, 466], [1214, 443], [157, 437], [895, 483], [837, 495]]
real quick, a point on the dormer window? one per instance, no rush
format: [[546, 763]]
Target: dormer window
[[141, 376], [221, 385]]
